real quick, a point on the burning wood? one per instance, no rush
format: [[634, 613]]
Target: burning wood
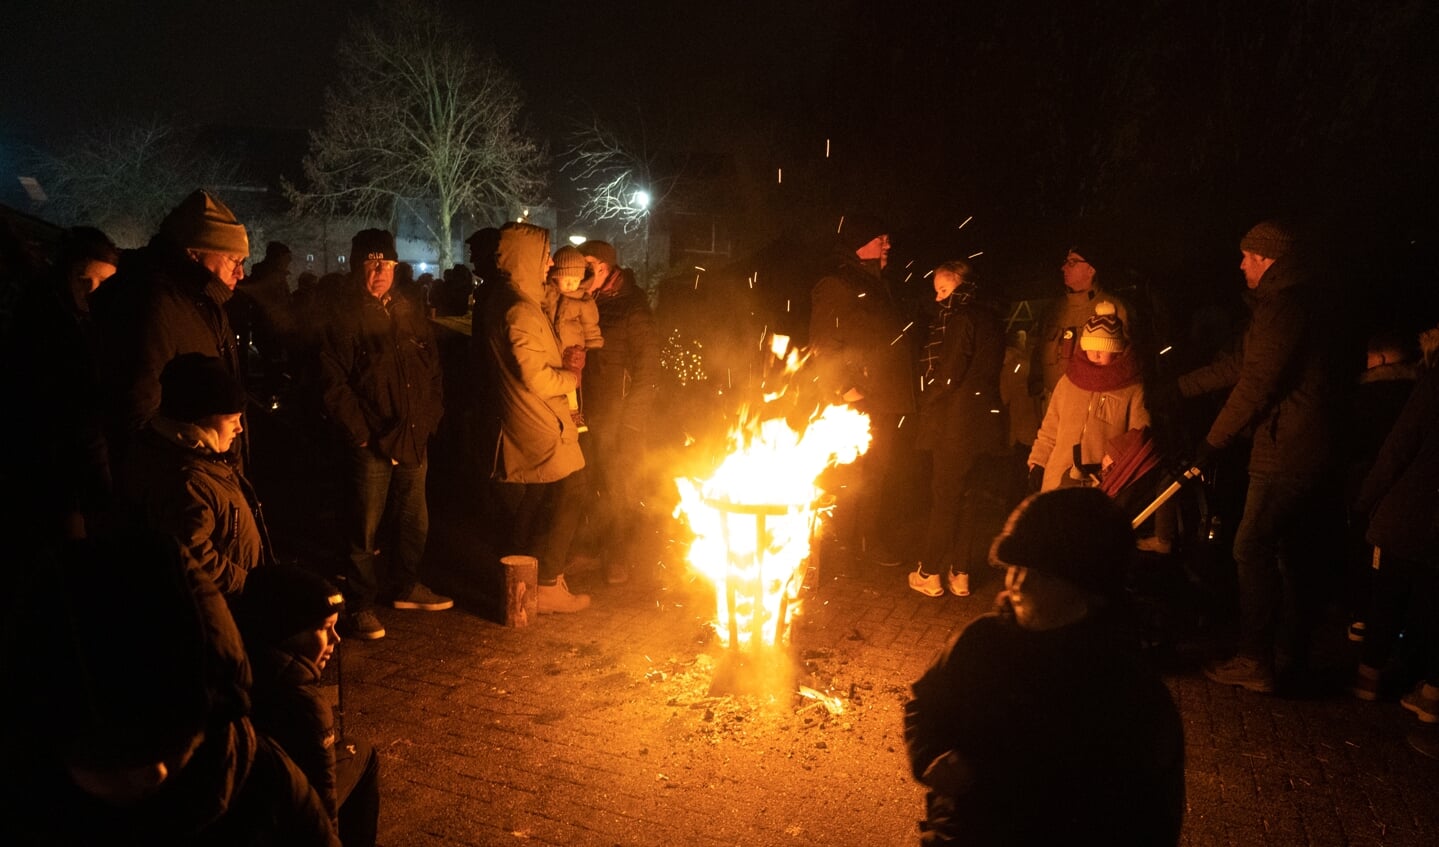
[[754, 518]]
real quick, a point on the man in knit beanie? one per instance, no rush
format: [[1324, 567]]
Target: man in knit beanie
[[862, 358], [1285, 385], [1057, 336], [168, 299]]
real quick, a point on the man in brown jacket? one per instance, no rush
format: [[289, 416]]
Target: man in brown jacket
[[1285, 391]]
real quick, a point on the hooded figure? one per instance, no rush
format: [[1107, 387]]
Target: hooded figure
[[538, 440]]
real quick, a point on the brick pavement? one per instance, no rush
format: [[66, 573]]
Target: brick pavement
[[599, 729]]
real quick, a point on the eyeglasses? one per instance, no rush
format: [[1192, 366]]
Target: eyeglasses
[[1069, 263], [1014, 579], [380, 264]]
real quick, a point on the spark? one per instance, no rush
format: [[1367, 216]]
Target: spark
[[929, 274], [779, 175], [1166, 350], [966, 223], [901, 421], [907, 277], [906, 327], [700, 269], [862, 294], [826, 148], [786, 305], [697, 282], [976, 255], [1018, 366], [840, 228], [909, 264]]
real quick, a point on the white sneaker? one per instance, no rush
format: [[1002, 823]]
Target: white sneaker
[[927, 585], [958, 583]]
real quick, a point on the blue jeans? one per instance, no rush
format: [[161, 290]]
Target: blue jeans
[[1274, 587], [379, 489]]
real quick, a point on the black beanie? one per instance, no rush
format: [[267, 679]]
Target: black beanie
[[372, 244], [282, 600], [1091, 252], [195, 386], [859, 229], [1077, 534]]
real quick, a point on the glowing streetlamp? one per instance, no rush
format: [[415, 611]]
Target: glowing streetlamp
[[640, 200], [577, 240]]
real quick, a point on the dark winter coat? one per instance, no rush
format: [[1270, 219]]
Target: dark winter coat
[[622, 377], [1286, 382], [158, 305], [1401, 492], [959, 394], [1071, 738], [238, 788], [53, 379], [289, 708], [856, 333], [179, 486], [379, 375]]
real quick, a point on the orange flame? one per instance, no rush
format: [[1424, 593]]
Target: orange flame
[[754, 517]]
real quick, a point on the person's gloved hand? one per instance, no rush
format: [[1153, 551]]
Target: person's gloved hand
[[573, 360], [1203, 454], [1036, 478]]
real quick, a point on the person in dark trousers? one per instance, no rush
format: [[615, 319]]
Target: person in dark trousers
[[131, 726], [288, 616], [856, 333], [621, 386], [1041, 723], [381, 386], [960, 418], [1284, 383], [169, 298], [181, 476], [537, 459], [1401, 500]]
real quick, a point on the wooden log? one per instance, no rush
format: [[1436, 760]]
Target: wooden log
[[522, 595]]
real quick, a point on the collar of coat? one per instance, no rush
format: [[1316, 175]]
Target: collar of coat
[[200, 439]]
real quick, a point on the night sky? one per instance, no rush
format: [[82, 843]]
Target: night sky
[[1176, 123]]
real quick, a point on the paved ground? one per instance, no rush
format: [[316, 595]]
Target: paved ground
[[601, 728]]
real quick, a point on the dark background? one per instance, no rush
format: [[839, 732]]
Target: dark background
[[1165, 128]]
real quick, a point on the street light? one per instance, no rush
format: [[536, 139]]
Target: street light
[[577, 240], [641, 200]]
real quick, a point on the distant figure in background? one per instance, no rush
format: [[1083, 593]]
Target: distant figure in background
[[381, 385], [621, 384], [131, 725], [53, 372], [1014, 391], [261, 315], [537, 460], [1042, 723], [288, 616], [1057, 336], [960, 418], [855, 331], [181, 477]]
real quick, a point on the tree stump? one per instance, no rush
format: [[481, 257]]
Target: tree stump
[[522, 595]]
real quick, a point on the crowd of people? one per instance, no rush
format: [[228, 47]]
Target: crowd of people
[[542, 366]]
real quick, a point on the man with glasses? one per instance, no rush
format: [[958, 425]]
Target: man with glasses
[[1057, 335], [168, 299], [380, 384]]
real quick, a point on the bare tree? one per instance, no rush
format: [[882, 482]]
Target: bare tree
[[419, 120], [124, 177], [616, 178]]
